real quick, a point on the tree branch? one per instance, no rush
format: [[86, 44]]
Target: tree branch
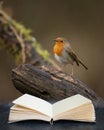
[[18, 41]]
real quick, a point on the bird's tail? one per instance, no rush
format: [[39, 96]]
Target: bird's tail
[[82, 64]]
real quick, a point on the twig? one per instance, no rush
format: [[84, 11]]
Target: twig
[[19, 38]]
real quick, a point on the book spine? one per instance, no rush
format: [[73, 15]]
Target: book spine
[[51, 121]]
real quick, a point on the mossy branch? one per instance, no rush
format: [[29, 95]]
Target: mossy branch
[[18, 41]]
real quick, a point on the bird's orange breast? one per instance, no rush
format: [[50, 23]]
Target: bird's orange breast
[[58, 48]]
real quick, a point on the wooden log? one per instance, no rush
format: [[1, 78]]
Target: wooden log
[[49, 83]]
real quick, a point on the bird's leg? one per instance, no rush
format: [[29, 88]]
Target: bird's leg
[[72, 69]]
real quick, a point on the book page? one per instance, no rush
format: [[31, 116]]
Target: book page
[[69, 104], [27, 114], [84, 113], [34, 103]]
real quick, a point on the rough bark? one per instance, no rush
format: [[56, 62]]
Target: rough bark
[[49, 84]]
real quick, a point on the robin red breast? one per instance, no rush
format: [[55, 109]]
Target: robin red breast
[[65, 54]]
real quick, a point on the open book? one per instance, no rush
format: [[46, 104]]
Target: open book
[[29, 107]]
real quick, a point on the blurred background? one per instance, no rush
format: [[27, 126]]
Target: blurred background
[[80, 21]]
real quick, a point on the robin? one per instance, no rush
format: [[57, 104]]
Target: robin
[[65, 54]]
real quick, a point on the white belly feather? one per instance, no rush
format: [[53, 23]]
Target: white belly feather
[[64, 59]]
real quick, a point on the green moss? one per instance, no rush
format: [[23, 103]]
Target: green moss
[[39, 49], [35, 44], [12, 50], [26, 35], [21, 29]]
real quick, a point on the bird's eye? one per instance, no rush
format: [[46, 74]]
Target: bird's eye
[[61, 41]]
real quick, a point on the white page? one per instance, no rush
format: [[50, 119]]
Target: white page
[[69, 103], [34, 103]]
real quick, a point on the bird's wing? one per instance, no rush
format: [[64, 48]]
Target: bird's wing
[[71, 53]]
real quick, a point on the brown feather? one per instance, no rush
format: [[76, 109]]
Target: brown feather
[[70, 51]]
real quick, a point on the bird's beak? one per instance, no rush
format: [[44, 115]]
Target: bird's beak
[[54, 40]]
